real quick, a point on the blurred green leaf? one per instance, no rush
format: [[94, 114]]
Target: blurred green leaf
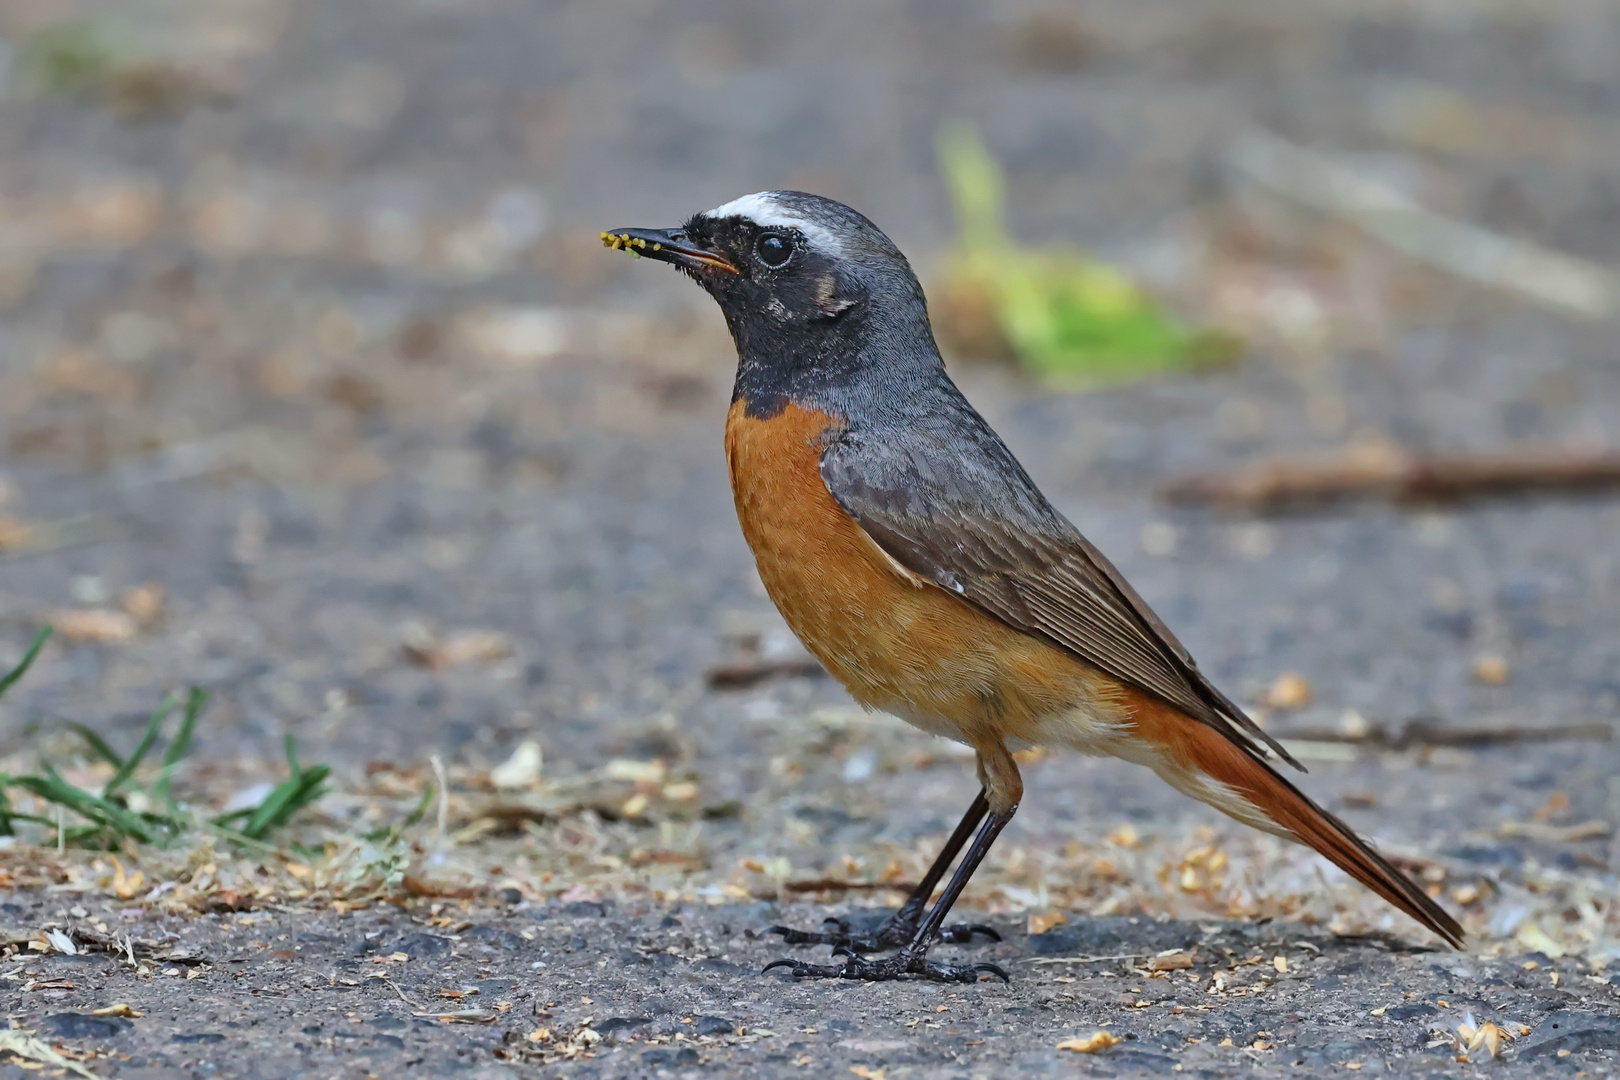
[[1060, 312], [978, 188], [69, 59]]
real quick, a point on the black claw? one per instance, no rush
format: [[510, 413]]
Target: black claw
[[962, 933], [893, 934], [946, 972], [802, 937], [890, 967]]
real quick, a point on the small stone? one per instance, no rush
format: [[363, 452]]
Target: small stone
[[419, 945], [83, 1026], [1159, 538], [143, 603], [1563, 1032], [1491, 670], [115, 214], [1291, 691], [714, 1025], [618, 1028], [495, 938], [1254, 541], [520, 770], [14, 535], [469, 646], [582, 909], [684, 1056]]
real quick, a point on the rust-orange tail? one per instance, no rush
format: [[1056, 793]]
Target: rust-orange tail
[[1191, 754]]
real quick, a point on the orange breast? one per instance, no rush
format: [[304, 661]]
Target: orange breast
[[896, 642]]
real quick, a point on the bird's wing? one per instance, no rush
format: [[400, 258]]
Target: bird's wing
[[961, 513]]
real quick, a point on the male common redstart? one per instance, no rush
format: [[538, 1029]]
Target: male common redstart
[[912, 554]]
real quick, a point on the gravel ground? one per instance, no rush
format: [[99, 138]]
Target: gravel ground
[[318, 339]]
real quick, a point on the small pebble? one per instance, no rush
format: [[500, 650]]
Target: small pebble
[[1491, 670], [1291, 691]]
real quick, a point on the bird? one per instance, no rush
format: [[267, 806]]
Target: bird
[[911, 553]]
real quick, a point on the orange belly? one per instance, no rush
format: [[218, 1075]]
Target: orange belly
[[897, 643]]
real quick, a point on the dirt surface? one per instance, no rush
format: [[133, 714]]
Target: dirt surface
[[317, 337], [674, 990]]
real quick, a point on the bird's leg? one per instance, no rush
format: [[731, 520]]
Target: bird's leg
[[901, 927], [912, 958], [1003, 788]]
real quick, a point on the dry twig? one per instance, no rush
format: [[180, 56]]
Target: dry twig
[[742, 675], [1423, 731], [1383, 472]]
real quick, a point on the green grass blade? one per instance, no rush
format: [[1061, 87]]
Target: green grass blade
[[53, 789], [10, 678], [302, 787], [10, 815], [97, 743], [428, 795], [148, 737], [195, 701], [237, 837], [289, 797]]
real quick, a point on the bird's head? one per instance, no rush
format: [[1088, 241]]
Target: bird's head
[[778, 258], [815, 296]]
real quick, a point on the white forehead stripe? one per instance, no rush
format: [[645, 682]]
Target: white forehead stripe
[[762, 208]]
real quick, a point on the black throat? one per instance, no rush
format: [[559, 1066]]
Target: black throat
[[799, 362], [873, 356]]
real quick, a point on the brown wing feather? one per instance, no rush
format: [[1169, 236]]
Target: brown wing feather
[[965, 516]]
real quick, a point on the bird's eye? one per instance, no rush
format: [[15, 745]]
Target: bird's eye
[[773, 250]]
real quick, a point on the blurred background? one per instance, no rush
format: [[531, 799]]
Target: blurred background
[[317, 388]]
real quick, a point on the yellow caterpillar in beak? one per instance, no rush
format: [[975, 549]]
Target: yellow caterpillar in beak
[[624, 241]]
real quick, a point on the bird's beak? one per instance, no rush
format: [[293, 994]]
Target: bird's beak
[[667, 245]]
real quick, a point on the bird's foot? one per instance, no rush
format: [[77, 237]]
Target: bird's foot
[[897, 931], [905, 962]]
